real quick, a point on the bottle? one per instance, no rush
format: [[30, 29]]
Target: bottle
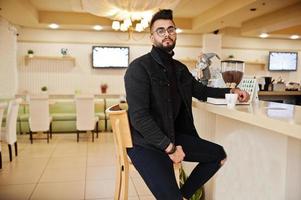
[[270, 87]]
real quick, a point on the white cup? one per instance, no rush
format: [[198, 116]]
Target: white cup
[[231, 100]]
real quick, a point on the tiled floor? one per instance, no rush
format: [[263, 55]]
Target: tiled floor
[[65, 169]]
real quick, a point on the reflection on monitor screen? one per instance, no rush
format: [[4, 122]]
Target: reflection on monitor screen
[[103, 56], [283, 61]]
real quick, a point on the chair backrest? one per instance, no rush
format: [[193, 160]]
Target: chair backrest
[[121, 130], [2, 108], [39, 113], [85, 112], [11, 123]]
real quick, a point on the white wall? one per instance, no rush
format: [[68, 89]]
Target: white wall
[[8, 63], [62, 77], [257, 50]]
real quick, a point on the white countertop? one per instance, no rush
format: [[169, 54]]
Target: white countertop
[[278, 117]]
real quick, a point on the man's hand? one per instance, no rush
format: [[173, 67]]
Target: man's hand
[[243, 96], [178, 155]]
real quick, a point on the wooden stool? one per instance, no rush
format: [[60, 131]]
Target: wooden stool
[[122, 139]]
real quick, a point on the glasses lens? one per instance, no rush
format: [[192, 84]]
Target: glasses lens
[[171, 30], [160, 31]]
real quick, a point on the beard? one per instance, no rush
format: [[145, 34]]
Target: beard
[[169, 47]]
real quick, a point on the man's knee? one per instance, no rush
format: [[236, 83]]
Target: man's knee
[[222, 156], [223, 162]]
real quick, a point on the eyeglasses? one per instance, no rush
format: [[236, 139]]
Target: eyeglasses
[[162, 31]]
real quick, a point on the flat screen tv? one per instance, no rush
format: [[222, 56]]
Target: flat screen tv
[[283, 61], [110, 56]]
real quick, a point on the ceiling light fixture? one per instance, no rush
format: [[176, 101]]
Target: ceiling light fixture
[[294, 37], [131, 16], [178, 30], [97, 27], [133, 22], [264, 35], [53, 26]]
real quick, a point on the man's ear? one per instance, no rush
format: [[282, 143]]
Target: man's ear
[[151, 37]]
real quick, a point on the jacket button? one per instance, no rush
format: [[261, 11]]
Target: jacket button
[[169, 100], [168, 84]]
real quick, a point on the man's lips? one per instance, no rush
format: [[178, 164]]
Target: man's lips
[[167, 40]]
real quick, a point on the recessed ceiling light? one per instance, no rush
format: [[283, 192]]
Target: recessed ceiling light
[[53, 26], [178, 30], [264, 35], [97, 27], [294, 37]]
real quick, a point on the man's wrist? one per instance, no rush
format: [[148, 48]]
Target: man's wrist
[[232, 90], [171, 149]]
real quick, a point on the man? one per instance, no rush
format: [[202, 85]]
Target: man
[[159, 93]]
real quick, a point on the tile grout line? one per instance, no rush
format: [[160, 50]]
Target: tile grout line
[[86, 170], [34, 189], [135, 188], [20, 150]]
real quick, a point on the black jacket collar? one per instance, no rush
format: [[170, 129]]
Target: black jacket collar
[[178, 66], [157, 54]]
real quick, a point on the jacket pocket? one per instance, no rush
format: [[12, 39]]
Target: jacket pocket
[[160, 91]]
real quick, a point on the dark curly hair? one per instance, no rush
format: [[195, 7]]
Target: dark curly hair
[[161, 14]]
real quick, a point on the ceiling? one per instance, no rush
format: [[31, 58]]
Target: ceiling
[[278, 18]]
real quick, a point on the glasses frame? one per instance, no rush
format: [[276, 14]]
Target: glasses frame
[[171, 30]]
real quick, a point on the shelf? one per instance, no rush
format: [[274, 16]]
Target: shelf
[[255, 63], [60, 58], [279, 93]]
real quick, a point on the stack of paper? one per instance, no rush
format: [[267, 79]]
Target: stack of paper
[[222, 101], [217, 101]]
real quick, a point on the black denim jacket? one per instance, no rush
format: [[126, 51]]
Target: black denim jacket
[[149, 100]]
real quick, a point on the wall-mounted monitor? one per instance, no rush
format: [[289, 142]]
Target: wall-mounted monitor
[[110, 56], [283, 61]]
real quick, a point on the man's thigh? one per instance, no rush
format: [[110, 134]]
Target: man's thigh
[[156, 169], [199, 150]]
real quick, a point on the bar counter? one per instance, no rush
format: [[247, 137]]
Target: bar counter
[[263, 144]]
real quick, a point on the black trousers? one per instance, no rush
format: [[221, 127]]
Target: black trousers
[[156, 168]]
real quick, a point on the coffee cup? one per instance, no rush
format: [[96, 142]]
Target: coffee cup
[[231, 100]]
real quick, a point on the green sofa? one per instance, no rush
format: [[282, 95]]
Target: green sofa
[[63, 113]]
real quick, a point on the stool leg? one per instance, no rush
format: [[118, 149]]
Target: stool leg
[[10, 153], [30, 136], [50, 130], [125, 182], [0, 160], [16, 149], [118, 182], [97, 129]]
